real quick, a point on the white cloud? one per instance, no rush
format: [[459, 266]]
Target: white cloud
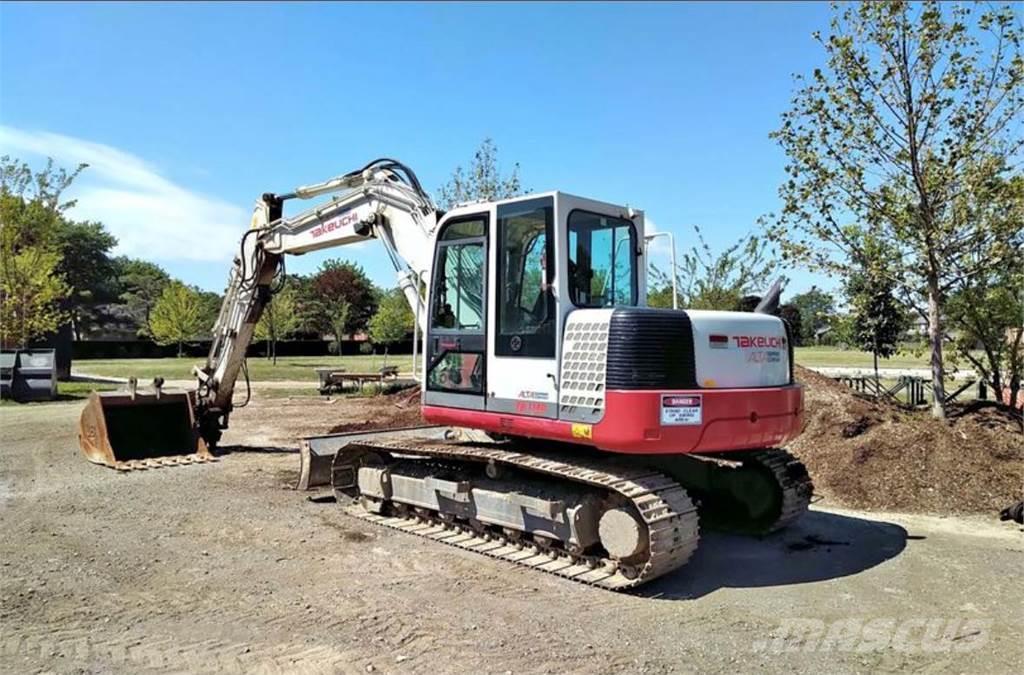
[[151, 216]]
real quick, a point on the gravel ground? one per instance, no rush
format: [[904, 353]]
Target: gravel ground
[[223, 568]]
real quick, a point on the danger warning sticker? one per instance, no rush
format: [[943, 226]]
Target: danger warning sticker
[[678, 410]]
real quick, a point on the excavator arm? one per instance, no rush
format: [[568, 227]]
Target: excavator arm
[[382, 201]]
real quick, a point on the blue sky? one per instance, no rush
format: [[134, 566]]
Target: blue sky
[[188, 112]]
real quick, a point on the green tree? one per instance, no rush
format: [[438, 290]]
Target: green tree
[[791, 315], [141, 285], [32, 283], [86, 264], [392, 322], [878, 319], [279, 320], [30, 293], [209, 308], [483, 180], [916, 111], [344, 299], [986, 310], [45, 187], [306, 307], [710, 280], [177, 316], [817, 311]]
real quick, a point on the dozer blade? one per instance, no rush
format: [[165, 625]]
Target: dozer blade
[[127, 431], [316, 453]]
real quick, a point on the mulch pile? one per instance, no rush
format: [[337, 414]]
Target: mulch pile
[[871, 454]]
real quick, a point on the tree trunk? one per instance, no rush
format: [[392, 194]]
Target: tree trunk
[[275, 351], [180, 352], [876, 364], [935, 338], [385, 356]]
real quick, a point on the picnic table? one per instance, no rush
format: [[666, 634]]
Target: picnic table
[[335, 379]]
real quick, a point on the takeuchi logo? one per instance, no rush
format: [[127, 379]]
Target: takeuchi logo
[[334, 224], [759, 341]]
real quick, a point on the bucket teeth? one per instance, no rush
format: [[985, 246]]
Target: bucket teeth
[[160, 462]]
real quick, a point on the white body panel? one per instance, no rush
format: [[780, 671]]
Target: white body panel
[[755, 352], [521, 379]]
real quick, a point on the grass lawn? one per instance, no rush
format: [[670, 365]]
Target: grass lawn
[[301, 368], [288, 368], [832, 356]]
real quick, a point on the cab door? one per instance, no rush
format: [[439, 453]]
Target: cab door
[[456, 333], [524, 319]]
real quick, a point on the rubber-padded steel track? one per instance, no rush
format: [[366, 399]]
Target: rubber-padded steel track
[[794, 481], [663, 504]]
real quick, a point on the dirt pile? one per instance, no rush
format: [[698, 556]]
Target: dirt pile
[[391, 411], [875, 455]]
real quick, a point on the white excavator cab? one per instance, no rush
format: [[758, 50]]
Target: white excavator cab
[[505, 277]]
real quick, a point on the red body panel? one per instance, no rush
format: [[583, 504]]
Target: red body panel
[[732, 419]]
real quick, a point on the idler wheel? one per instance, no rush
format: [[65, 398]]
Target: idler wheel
[[622, 533]]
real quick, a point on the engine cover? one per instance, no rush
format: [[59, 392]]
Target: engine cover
[[656, 381]]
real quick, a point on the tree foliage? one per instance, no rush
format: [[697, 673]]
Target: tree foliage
[[710, 280], [790, 313], [393, 321], [914, 116], [344, 298], [986, 310], [141, 284], [878, 320], [280, 319], [32, 283], [483, 179], [178, 315], [45, 187], [88, 268], [817, 312], [30, 293]]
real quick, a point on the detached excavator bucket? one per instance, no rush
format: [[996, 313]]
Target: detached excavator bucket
[[140, 430]]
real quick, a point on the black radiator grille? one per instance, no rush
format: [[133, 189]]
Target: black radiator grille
[[650, 349]]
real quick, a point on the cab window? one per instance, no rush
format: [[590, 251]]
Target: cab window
[[526, 301], [459, 278], [602, 260]]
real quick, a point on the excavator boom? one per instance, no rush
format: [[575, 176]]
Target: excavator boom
[[383, 200]]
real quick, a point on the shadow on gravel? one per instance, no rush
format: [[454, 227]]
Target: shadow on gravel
[[264, 450], [818, 547]]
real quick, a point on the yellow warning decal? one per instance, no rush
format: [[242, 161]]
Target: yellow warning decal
[[582, 431]]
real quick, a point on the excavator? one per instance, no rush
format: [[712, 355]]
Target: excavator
[[604, 433]]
